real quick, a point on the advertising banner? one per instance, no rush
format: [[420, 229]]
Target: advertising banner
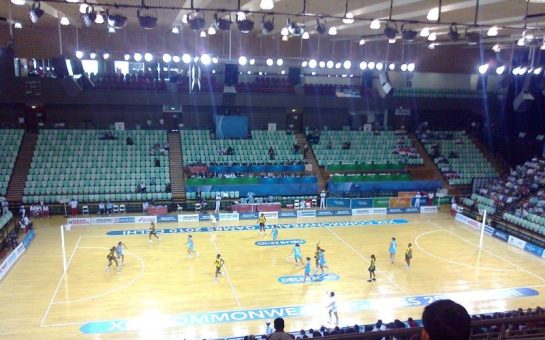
[[145, 219], [79, 221], [287, 214], [102, 220], [249, 215], [306, 213], [501, 235], [361, 203], [124, 219], [167, 218], [188, 218], [410, 210], [428, 210], [270, 214], [381, 202], [332, 202], [406, 194], [517, 242], [531, 248], [228, 216], [400, 202]]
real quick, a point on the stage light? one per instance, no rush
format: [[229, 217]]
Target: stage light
[[424, 32], [83, 8], [391, 41], [284, 31], [379, 66], [361, 42], [279, 62], [492, 31], [371, 65], [72, 1], [408, 34], [520, 42], [127, 57], [18, 25], [295, 28], [117, 21], [89, 17], [515, 71], [432, 46], [304, 63], [375, 24], [332, 30], [473, 38], [184, 18], [500, 70], [433, 14], [106, 56], [282, 72], [453, 34], [542, 46], [496, 48], [176, 59], [221, 23], [242, 60], [252, 61], [240, 15], [363, 65], [392, 66], [338, 65], [248, 72], [403, 67], [92, 55], [267, 26], [196, 21], [137, 57], [147, 21], [18, 2], [269, 62], [186, 58], [312, 63], [206, 59], [36, 12], [432, 36], [215, 60], [321, 64], [266, 5], [202, 34], [330, 64], [79, 54], [148, 57], [483, 68], [111, 29], [313, 73], [175, 30], [390, 32], [64, 21], [167, 58], [211, 30], [523, 70], [285, 38], [244, 24], [321, 26], [348, 18], [410, 67], [537, 71], [99, 19], [347, 64]]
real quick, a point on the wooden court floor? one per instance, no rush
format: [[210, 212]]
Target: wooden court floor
[[159, 281]]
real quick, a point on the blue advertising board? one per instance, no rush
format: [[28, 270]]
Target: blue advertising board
[[321, 213], [333, 202], [403, 210], [361, 203], [248, 215], [501, 235], [167, 218], [287, 214], [532, 248]]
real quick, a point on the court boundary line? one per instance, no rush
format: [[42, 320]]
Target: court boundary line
[[441, 258], [360, 255], [227, 275], [490, 252], [56, 291]]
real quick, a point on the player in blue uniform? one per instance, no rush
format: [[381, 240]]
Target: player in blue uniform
[[307, 271], [297, 254], [274, 233], [119, 251], [321, 261], [392, 250], [190, 245]]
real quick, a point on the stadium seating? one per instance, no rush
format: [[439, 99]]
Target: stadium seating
[[4, 219], [9, 147], [386, 149], [118, 81], [81, 164], [437, 93], [369, 177], [198, 147], [456, 156], [266, 85], [330, 90]]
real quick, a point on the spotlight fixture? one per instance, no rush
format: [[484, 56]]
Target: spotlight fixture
[[348, 18], [391, 41], [542, 46], [266, 5], [379, 66], [321, 64], [361, 42], [295, 28], [279, 62], [167, 58], [453, 34], [408, 34], [371, 65], [202, 34], [105, 55], [83, 8], [284, 32], [473, 38], [99, 19], [285, 38], [186, 58], [305, 36], [196, 21], [304, 63], [432, 46], [147, 21], [390, 32], [500, 70], [338, 65], [215, 60], [433, 14], [111, 29], [403, 67], [425, 32], [90, 16], [392, 66], [127, 57], [72, 1], [332, 30], [347, 64], [245, 25], [312, 63], [184, 18], [492, 31], [521, 42], [176, 59], [175, 30], [432, 36], [137, 57], [242, 60], [537, 71], [375, 24], [321, 26], [252, 61], [330, 64], [283, 72], [79, 54], [18, 2], [267, 26], [64, 21], [363, 65], [483, 68], [148, 57], [116, 21], [269, 62], [206, 59], [410, 67], [211, 30], [18, 25], [92, 55], [496, 48], [221, 23], [35, 12]]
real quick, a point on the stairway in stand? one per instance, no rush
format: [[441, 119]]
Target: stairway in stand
[[311, 159], [21, 169], [499, 164], [177, 176], [427, 171]]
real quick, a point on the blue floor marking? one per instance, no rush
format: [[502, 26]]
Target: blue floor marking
[[298, 279], [271, 243]]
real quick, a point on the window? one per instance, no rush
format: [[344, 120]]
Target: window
[[90, 66]]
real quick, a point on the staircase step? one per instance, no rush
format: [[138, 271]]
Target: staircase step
[[21, 168], [311, 159], [427, 171], [177, 176]]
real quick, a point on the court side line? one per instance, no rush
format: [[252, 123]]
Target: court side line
[[365, 259], [227, 274], [454, 262], [59, 284], [108, 292], [491, 253]]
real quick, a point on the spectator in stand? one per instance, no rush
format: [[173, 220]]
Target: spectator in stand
[[109, 208], [379, 326], [141, 188], [412, 323], [445, 320], [22, 211], [157, 162], [305, 150], [268, 329], [4, 206], [73, 207], [101, 208], [279, 333], [129, 141]]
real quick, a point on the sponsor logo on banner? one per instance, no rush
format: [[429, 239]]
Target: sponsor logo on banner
[[400, 202], [79, 221], [358, 203], [228, 217], [205, 217], [338, 202], [279, 243], [324, 213], [428, 209], [474, 224], [342, 212], [501, 235], [294, 279], [379, 211], [249, 215], [102, 220], [306, 213], [28, 238], [167, 218], [517, 242], [531, 248], [402, 210], [269, 214], [145, 219], [11, 259], [188, 218], [287, 214], [369, 211], [124, 219]]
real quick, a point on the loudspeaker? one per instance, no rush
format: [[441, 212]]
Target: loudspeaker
[[521, 102], [231, 74], [367, 80], [294, 76], [59, 67], [7, 69]]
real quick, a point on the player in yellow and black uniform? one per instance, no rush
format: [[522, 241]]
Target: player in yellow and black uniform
[[372, 268], [261, 221], [112, 258], [219, 262], [153, 232], [408, 255]]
